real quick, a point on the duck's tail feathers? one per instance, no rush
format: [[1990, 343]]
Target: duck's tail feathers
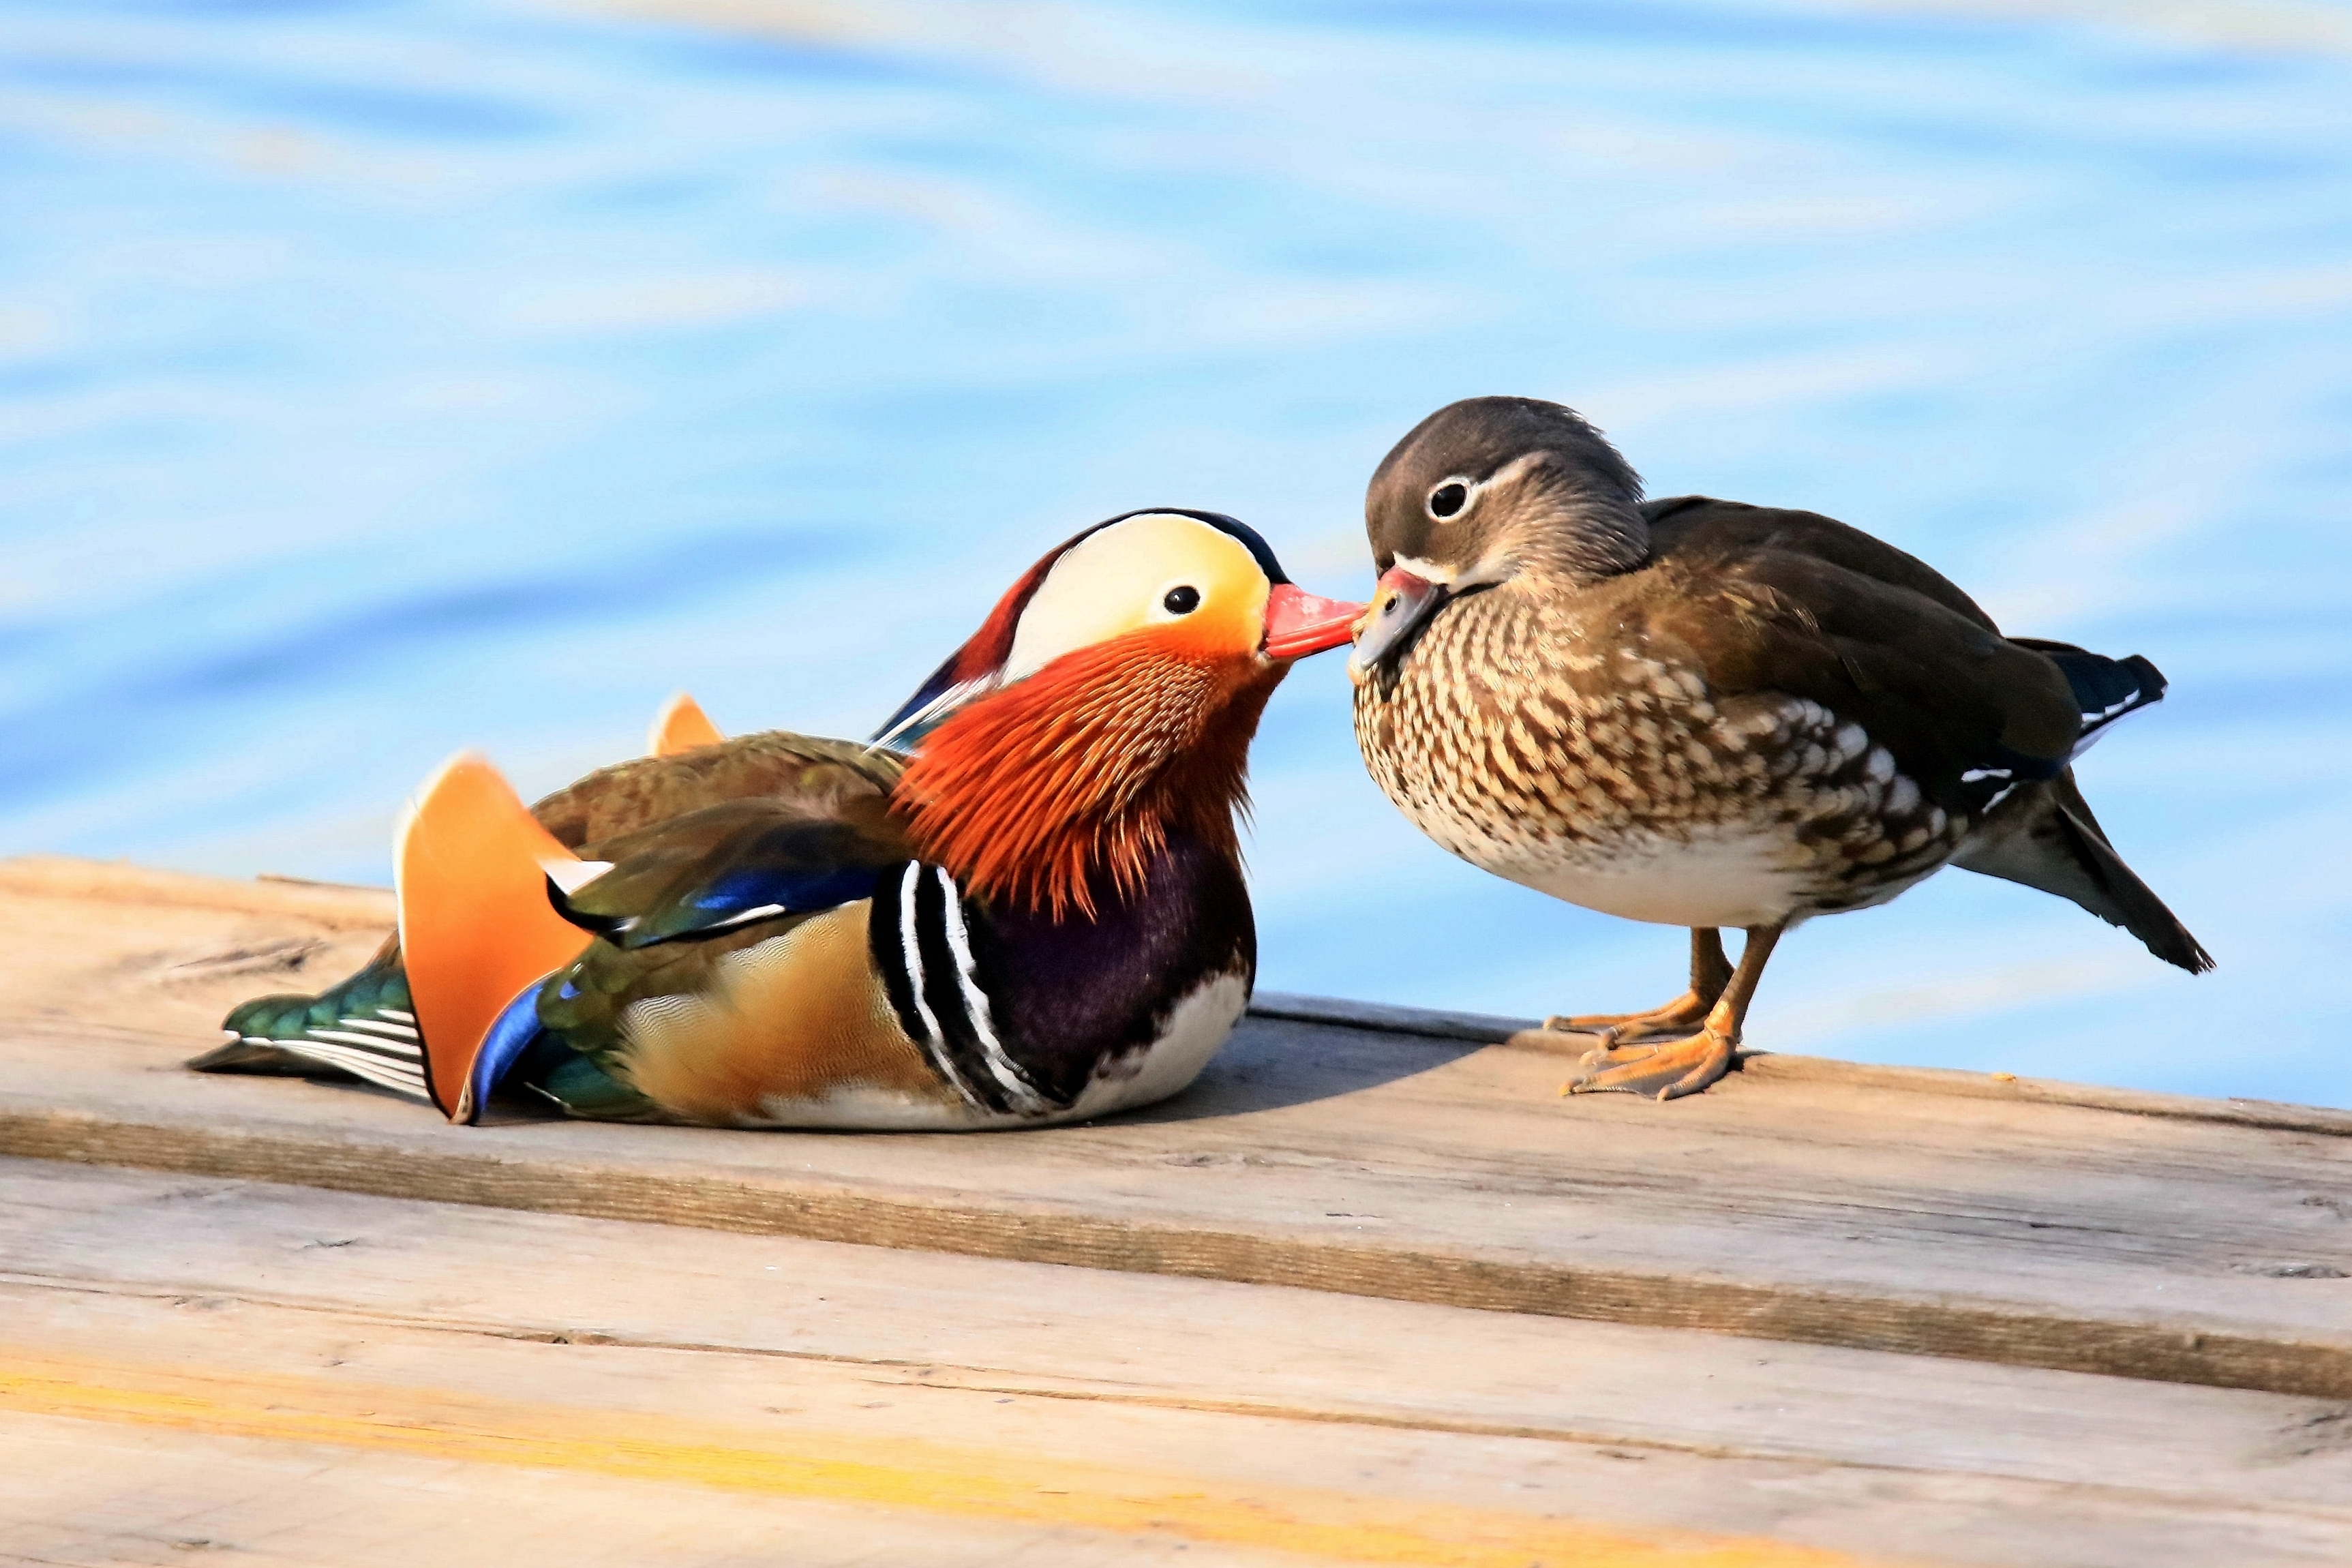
[[476, 927], [681, 726], [2106, 690], [365, 1026], [2044, 837]]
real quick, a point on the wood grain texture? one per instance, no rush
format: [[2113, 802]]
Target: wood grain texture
[[820, 1460], [1881, 1211], [335, 905], [226, 1326]]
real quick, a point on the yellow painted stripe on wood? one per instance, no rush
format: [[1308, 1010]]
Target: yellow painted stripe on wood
[[847, 1468]]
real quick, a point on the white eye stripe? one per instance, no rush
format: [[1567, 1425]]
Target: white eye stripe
[[1517, 468]]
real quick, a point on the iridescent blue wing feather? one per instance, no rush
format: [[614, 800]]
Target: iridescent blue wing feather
[[726, 867]]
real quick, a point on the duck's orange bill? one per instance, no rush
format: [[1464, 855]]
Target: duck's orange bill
[[681, 726], [474, 923], [1298, 623]]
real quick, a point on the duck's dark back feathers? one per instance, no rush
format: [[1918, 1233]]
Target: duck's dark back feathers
[[1702, 526], [1853, 623], [1789, 601], [773, 766]]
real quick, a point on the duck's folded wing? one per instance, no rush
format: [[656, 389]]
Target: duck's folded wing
[[687, 914], [1703, 528], [1965, 713], [368, 1025], [776, 766], [729, 866]]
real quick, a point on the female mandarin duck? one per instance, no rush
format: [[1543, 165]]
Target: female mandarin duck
[[1038, 917], [1707, 714]]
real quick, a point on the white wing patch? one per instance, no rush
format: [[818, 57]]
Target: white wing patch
[[572, 875], [383, 1050]]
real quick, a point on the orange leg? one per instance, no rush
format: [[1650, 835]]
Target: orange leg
[[1670, 1069], [1710, 972]]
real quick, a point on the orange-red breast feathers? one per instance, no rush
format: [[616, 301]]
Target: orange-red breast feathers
[[1137, 677]]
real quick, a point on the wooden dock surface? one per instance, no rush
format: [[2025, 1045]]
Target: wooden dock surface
[[1371, 1292]]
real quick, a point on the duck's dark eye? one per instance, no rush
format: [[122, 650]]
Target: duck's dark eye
[[1448, 497], [1182, 601]]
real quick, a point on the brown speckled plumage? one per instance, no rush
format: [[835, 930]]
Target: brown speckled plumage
[[1525, 738], [1702, 713]]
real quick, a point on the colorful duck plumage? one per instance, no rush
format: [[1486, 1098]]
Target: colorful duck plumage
[[1038, 917], [367, 1026]]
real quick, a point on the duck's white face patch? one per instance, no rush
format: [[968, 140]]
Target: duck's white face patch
[[1121, 578]]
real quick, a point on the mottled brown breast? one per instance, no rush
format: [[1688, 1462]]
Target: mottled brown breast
[[1534, 733]]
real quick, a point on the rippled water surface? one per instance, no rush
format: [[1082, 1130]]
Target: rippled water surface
[[376, 380]]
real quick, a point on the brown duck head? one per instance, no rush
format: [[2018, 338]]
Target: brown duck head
[[1480, 492]]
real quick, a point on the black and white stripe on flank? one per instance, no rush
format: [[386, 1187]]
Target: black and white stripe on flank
[[1019, 1092], [922, 946], [897, 956]]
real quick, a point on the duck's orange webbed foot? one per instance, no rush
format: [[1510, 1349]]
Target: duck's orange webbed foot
[[1659, 1053], [1677, 1020], [1662, 1069]]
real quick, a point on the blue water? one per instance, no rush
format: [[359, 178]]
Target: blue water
[[378, 380]]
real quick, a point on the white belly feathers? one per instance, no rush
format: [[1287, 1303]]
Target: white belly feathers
[[1713, 874]]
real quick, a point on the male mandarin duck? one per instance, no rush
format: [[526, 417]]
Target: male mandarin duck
[[1038, 915], [1707, 714]]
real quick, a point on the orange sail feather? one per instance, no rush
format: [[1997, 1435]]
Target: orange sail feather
[[474, 923]]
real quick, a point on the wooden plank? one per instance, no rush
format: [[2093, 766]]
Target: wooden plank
[[1817, 1209], [1486, 1029], [818, 1435], [1477, 1028], [84, 1494], [364, 1333], [336, 905]]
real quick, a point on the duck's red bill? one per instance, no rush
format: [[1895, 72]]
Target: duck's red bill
[[1298, 623]]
